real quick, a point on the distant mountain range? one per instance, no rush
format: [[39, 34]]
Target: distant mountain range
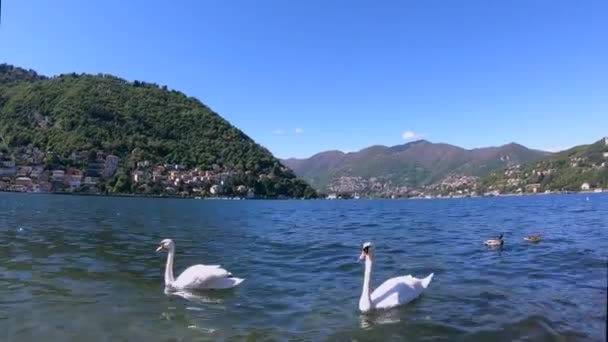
[[417, 164]]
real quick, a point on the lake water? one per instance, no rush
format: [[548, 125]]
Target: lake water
[[84, 268]]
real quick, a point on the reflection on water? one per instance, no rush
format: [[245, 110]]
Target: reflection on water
[[368, 321], [84, 269], [194, 297]]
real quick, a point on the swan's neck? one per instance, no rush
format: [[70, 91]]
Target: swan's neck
[[365, 303], [169, 269]]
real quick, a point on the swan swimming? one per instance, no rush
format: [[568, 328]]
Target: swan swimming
[[393, 292], [495, 242], [197, 277]]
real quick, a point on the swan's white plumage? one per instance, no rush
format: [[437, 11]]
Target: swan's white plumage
[[399, 290], [393, 292], [205, 277], [197, 277]]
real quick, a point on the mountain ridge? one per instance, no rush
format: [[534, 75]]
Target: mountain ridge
[[411, 165]]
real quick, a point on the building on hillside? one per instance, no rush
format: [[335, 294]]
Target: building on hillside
[[138, 176], [79, 157], [110, 166], [74, 182], [173, 175], [143, 164], [19, 188], [44, 186], [73, 178], [95, 169], [606, 141], [605, 154], [37, 171], [585, 186], [158, 176], [533, 188], [25, 182], [8, 163], [57, 175], [215, 189], [24, 171], [8, 171], [90, 180]]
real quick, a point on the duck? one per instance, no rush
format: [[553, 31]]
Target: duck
[[393, 292], [495, 242], [196, 277], [533, 238]]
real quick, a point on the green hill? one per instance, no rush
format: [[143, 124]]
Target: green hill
[[81, 114], [378, 169], [564, 171]]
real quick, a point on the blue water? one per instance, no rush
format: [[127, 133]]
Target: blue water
[[84, 268]]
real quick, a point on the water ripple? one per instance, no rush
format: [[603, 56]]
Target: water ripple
[[80, 268]]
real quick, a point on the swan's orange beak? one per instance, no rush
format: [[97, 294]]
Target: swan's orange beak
[[160, 247]]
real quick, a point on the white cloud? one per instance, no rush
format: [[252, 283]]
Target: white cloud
[[278, 131], [407, 135], [298, 130]]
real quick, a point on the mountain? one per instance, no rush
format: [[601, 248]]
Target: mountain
[[568, 170], [398, 168], [75, 121]]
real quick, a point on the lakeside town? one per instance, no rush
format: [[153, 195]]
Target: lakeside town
[[32, 170], [517, 179], [431, 193], [29, 169]]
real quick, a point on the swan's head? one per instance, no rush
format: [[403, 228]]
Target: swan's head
[[366, 251], [165, 244]]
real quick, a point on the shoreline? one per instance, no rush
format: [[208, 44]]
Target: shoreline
[[61, 193]]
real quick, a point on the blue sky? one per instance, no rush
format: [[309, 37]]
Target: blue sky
[[306, 76]]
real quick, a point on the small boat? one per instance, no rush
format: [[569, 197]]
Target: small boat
[[533, 238]]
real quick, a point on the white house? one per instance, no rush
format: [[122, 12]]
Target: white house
[[138, 176], [585, 186], [24, 181], [215, 189]]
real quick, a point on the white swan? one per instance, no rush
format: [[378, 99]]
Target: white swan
[[495, 242], [197, 276], [393, 292]]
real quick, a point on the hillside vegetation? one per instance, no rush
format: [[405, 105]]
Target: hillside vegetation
[[135, 121], [564, 171]]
